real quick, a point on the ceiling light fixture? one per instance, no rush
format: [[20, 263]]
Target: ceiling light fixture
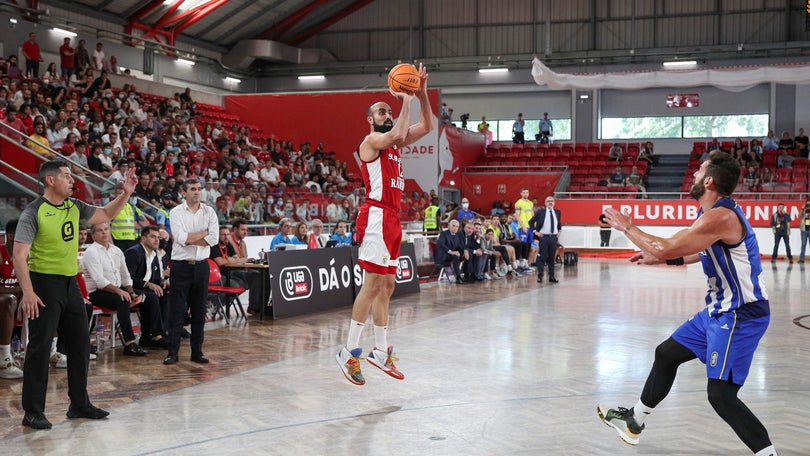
[[311, 77], [680, 64], [494, 70], [64, 32], [233, 80], [186, 61]]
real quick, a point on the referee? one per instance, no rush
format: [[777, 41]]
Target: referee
[[46, 249]]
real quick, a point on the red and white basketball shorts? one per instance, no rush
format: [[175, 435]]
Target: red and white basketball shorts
[[380, 235]]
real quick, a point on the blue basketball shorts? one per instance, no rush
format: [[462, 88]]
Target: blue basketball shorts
[[725, 343]]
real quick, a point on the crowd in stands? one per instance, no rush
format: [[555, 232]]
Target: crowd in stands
[[772, 164], [104, 131]]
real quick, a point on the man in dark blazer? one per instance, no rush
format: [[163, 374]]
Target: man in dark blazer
[[144, 267], [472, 251], [546, 226], [449, 249]]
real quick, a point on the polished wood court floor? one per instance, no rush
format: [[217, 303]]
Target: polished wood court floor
[[507, 367]]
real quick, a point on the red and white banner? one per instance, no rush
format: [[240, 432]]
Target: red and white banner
[[457, 148], [664, 212]]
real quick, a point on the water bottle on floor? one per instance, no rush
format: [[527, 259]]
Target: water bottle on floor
[[99, 337], [16, 348]]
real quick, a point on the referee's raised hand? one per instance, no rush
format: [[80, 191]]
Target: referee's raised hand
[[131, 181]]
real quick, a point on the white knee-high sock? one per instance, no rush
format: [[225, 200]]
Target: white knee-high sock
[[381, 337], [355, 330], [640, 412], [53, 346], [5, 352]]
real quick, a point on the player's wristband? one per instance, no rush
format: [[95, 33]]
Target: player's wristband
[[675, 261]]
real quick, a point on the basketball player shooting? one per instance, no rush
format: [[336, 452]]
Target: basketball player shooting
[[378, 228]]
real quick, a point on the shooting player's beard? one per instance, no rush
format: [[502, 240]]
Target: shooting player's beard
[[384, 128], [697, 190]]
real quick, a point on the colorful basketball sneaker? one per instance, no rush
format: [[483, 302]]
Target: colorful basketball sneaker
[[349, 362], [622, 420], [385, 361]]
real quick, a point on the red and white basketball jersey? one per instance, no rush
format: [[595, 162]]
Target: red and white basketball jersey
[[7, 276], [383, 178]]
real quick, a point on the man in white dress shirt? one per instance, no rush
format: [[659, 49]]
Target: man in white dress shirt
[[195, 229], [109, 285]]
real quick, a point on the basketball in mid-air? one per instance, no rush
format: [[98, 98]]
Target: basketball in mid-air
[[404, 78]]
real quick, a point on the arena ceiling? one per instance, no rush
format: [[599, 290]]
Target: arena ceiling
[[285, 37], [221, 23]]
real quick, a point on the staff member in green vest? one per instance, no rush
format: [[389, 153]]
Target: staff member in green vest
[[163, 219], [127, 223], [46, 248], [431, 223]]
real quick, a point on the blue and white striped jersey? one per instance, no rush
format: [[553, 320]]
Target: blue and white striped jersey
[[733, 272]]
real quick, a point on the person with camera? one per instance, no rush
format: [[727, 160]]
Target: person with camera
[[464, 119], [780, 223]]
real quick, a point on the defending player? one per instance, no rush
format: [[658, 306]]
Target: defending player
[[725, 334], [378, 228]]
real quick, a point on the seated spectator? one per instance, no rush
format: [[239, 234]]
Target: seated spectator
[[317, 238], [12, 70], [302, 210], [79, 157], [617, 178], [146, 271], [785, 158], [646, 154], [341, 235], [496, 208], [449, 250], [465, 214], [95, 163], [269, 174], [767, 178], [333, 209], [756, 150], [39, 143], [224, 253], [738, 149], [715, 145], [746, 158], [751, 178], [786, 142], [801, 141], [491, 257], [12, 126], [770, 142], [616, 153], [302, 232], [507, 252], [285, 235], [10, 294], [110, 286], [472, 251], [635, 179]]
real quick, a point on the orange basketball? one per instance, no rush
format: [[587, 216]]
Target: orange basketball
[[404, 78]]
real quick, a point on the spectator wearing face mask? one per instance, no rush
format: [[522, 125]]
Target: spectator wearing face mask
[[95, 163], [465, 214]]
